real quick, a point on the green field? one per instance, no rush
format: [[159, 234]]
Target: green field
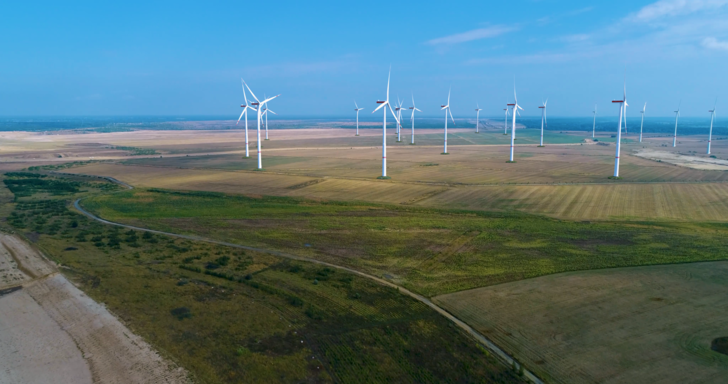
[[427, 250], [638, 325], [234, 316]]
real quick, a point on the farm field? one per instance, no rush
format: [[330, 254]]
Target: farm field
[[430, 251], [229, 315], [628, 325], [596, 201]]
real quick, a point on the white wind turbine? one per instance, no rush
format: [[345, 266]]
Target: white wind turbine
[[543, 117], [622, 107], [477, 117], [357, 109], [712, 116], [447, 110], [642, 123], [259, 104], [245, 112], [677, 116], [594, 127], [383, 104], [265, 113], [399, 109], [516, 107], [412, 118], [505, 123]]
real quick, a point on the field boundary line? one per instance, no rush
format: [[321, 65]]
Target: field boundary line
[[461, 324]]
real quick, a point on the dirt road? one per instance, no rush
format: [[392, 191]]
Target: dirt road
[[51, 332]]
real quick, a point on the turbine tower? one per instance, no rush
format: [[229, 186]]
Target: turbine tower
[[543, 118], [594, 127], [260, 105], [266, 120], [383, 104], [357, 109], [642, 124], [677, 116], [622, 106], [515, 107], [712, 116], [412, 118], [477, 117], [447, 110], [245, 112]]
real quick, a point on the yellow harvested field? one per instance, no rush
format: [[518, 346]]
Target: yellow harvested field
[[628, 325], [699, 201], [670, 201]]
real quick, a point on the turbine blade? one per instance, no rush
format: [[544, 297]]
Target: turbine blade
[[453, 120], [393, 114], [417, 110], [380, 107], [241, 116], [355, 106], [388, 77], [251, 92], [243, 85], [271, 111], [448, 97], [269, 99]]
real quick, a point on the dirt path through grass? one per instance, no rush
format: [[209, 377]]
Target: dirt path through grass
[[476, 335]]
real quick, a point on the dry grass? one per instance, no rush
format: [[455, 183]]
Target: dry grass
[[630, 325]]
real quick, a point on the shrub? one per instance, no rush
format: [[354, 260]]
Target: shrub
[[181, 313]]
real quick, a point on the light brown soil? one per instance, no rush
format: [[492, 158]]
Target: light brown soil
[[694, 162], [50, 332]]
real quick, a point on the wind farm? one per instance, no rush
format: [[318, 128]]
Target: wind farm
[[142, 242]]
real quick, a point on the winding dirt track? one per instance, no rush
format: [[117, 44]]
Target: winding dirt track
[[475, 334]]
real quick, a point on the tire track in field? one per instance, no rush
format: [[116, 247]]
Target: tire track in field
[[461, 324]]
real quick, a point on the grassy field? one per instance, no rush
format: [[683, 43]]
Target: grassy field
[[619, 201], [430, 251], [234, 316], [629, 325]]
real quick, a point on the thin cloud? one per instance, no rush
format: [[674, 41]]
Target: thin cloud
[[475, 34], [715, 44], [664, 8]]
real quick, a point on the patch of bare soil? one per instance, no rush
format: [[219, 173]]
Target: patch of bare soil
[[50, 332], [694, 162]]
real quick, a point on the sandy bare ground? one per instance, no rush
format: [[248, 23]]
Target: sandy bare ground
[[695, 162], [50, 332]]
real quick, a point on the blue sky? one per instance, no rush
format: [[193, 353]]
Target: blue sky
[[186, 58]]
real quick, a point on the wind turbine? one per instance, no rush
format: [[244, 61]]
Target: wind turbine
[[622, 107], [265, 113], [383, 104], [594, 127], [505, 123], [712, 116], [357, 109], [516, 107], [643, 122], [677, 115], [399, 109], [543, 117], [245, 112], [447, 109], [413, 108], [477, 117], [260, 105]]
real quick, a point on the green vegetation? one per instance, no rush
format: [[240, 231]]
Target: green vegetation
[[427, 250], [55, 167], [236, 316], [136, 151]]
